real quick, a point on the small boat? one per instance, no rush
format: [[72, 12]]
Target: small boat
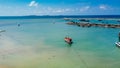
[[18, 25], [118, 43], [68, 40], [2, 31]]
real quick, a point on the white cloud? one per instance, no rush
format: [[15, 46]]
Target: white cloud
[[49, 8], [33, 4], [103, 7], [67, 10], [58, 10], [62, 10], [82, 9]]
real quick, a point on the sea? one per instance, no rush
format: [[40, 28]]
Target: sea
[[38, 42]]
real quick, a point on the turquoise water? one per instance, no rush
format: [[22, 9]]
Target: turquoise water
[[39, 43]]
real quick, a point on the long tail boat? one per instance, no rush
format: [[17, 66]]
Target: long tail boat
[[68, 40]]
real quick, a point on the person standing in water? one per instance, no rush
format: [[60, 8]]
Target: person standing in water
[[18, 25]]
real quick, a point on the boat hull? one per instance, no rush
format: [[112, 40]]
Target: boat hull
[[117, 44], [69, 42]]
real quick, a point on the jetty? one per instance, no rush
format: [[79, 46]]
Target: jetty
[[85, 22]]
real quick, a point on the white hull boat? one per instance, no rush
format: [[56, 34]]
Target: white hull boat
[[117, 44]]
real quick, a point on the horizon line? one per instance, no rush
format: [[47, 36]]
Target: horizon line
[[59, 15]]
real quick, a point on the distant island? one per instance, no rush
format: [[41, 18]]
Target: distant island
[[59, 16]]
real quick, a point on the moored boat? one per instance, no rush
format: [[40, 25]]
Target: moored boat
[[2, 31], [68, 40], [118, 43]]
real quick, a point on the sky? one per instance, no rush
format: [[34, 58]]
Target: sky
[[59, 7]]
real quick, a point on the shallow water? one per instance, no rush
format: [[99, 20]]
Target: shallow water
[[39, 43]]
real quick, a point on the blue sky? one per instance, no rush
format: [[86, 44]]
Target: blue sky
[[59, 7]]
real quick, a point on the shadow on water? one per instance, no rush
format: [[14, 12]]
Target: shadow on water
[[69, 44], [75, 53], [117, 46]]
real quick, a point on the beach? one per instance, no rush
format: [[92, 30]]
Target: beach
[[39, 43]]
